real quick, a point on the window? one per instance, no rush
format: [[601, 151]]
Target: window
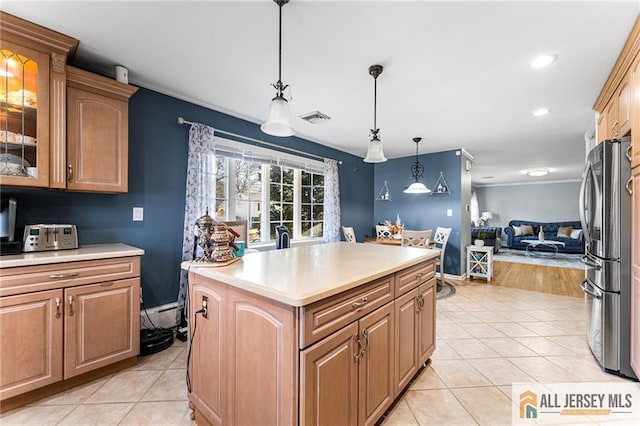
[[268, 189]]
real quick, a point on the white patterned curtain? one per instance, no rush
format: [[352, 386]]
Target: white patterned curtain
[[200, 193], [474, 209], [331, 218]]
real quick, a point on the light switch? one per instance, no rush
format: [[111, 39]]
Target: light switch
[[138, 214], [449, 212]]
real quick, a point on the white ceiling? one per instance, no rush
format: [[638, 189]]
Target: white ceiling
[[455, 73]]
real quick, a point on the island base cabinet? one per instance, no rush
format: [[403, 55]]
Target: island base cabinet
[[426, 320], [31, 350], [414, 332], [101, 325], [243, 369], [347, 378], [329, 380]]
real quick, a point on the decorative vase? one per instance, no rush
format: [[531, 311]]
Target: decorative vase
[[541, 234], [479, 243]]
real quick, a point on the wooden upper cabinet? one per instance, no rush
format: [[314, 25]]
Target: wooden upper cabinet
[[97, 134], [602, 132], [618, 103], [32, 99]]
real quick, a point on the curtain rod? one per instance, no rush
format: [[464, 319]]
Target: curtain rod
[[181, 120]]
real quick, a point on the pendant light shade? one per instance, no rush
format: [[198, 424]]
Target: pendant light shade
[[417, 170], [375, 152], [279, 121]]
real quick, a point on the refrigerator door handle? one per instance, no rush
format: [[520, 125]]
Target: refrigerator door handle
[[585, 259], [589, 288], [583, 188]]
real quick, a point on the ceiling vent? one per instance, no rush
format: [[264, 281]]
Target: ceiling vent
[[315, 117]]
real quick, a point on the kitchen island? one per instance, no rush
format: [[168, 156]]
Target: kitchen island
[[322, 334]]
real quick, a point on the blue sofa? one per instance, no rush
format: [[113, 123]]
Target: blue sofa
[[571, 245]]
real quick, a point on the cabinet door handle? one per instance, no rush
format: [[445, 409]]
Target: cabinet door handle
[[360, 304], [106, 284], [58, 307], [613, 128], [70, 173], [70, 306], [629, 185], [63, 276], [419, 275], [628, 154], [357, 354], [419, 302], [366, 341]]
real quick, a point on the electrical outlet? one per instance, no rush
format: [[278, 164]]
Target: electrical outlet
[[205, 306], [449, 212]]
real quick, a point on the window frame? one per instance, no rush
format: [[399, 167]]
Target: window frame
[[232, 151]]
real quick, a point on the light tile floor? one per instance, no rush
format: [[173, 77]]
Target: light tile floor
[[488, 337]]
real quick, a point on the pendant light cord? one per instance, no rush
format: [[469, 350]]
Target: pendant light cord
[[375, 103], [280, 47]]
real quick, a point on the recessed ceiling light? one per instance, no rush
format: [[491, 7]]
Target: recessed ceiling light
[[543, 61], [541, 111], [537, 172]]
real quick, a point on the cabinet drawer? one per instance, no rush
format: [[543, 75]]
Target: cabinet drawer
[[413, 276], [28, 279], [326, 316]]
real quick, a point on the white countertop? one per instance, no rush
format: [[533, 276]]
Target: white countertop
[[89, 252], [301, 275]]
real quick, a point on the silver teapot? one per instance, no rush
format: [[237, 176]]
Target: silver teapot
[[215, 239]]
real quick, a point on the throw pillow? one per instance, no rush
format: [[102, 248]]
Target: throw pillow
[[564, 231], [576, 233], [516, 231], [526, 229]]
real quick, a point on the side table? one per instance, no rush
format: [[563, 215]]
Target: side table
[[480, 261]]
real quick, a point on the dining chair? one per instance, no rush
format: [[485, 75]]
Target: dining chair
[[240, 226], [441, 237], [416, 238], [349, 234], [383, 232]]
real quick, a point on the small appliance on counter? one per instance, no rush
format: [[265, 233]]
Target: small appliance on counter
[[44, 237], [8, 212]]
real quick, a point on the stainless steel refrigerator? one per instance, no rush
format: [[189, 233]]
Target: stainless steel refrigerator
[[605, 212]]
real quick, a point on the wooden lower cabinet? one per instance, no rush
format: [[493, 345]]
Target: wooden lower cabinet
[[52, 335], [249, 366], [31, 349], [329, 379], [414, 332], [102, 325], [635, 272]]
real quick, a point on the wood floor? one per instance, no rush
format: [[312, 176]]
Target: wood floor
[[544, 279]]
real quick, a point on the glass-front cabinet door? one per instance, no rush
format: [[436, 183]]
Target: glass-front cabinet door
[[24, 116]]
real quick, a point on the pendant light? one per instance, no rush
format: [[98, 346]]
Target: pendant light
[[417, 171], [375, 153], [279, 121]]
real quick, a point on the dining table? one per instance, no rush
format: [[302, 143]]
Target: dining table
[[391, 241]]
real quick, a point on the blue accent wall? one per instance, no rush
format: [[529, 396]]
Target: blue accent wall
[[157, 175], [423, 211]]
